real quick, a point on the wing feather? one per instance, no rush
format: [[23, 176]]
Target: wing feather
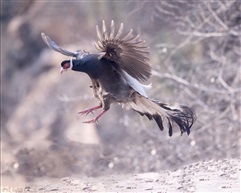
[[119, 31], [112, 29], [52, 45], [98, 33], [126, 50], [125, 36], [104, 31]]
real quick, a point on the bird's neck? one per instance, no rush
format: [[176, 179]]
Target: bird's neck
[[89, 65]]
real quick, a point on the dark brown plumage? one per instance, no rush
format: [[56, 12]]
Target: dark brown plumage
[[125, 50], [116, 73]]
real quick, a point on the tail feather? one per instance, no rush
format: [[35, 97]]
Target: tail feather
[[159, 121], [182, 116], [170, 127]]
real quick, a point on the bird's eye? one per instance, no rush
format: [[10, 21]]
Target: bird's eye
[[66, 65]]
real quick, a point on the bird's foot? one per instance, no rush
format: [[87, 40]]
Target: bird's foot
[[91, 121], [88, 111], [96, 118]]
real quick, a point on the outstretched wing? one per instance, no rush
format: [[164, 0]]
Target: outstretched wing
[[126, 50], [52, 45]]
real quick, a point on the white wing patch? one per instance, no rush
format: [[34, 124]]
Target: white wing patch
[[136, 85]]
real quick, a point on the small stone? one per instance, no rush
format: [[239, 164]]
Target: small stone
[[111, 165], [153, 152]]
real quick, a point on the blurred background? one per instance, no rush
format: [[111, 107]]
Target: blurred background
[[195, 56]]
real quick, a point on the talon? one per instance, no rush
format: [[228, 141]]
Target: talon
[[95, 120], [88, 111]]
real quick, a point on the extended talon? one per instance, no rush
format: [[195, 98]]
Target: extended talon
[[88, 111], [96, 118]]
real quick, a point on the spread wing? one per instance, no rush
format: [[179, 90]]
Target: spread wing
[[52, 45], [126, 50]]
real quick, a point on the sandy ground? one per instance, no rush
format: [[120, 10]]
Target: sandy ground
[[207, 176]]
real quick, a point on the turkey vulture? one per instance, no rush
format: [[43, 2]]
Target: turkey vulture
[[117, 74]]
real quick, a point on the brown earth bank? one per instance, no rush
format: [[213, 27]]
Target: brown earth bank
[[205, 176]]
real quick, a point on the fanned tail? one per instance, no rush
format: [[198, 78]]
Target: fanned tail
[[182, 116]]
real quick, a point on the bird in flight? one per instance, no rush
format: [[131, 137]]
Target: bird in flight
[[117, 74]]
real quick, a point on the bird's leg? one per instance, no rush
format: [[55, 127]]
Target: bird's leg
[[87, 111], [96, 118], [105, 104]]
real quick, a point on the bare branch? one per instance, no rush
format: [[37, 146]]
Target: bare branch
[[203, 34], [164, 11], [223, 83], [197, 86], [215, 16], [189, 38]]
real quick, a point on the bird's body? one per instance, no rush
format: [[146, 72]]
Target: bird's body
[[104, 74], [116, 76]]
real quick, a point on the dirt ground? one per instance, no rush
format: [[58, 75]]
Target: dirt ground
[[208, 176]]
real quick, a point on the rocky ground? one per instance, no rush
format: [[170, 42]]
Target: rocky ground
[[207, 176]]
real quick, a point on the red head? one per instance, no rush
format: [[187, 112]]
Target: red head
[[66, 65]]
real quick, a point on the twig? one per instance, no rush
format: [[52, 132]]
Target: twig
[[188, 39], [197, 86]]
